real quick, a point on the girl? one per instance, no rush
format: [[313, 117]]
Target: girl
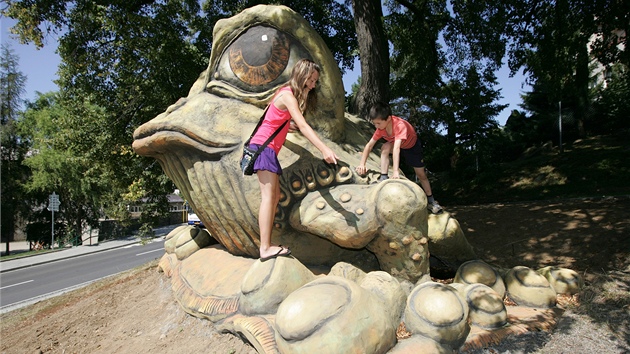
[[291, 101]]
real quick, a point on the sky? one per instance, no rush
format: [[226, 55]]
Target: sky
[[39, 66], [40, 69]]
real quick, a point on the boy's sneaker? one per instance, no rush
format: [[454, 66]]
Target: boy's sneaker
[[382, 178], [435, 208]]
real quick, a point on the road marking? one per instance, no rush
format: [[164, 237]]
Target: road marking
[[10, 286], [157, 250]]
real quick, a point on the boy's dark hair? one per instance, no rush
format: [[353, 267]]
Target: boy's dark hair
[[380, 110]]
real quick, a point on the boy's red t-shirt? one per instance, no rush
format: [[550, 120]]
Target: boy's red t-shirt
[[401, 129]]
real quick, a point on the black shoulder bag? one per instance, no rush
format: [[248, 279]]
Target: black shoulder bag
[[250, 155]]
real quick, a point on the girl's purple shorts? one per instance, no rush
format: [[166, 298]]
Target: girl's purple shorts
[[267, 160]]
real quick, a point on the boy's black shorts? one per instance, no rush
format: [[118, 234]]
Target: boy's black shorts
[[413, 156]]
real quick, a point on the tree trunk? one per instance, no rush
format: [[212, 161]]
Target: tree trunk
[[581, 81], [373, 55]]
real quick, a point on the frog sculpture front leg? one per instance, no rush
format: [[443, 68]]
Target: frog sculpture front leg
[[389, 219]]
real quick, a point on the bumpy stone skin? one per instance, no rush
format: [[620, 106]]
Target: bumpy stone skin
[[562, 280], [487, 309], [479, 272], [326, 213], [528, 288], [438, 312]]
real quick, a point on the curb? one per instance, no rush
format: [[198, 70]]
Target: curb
[[61, 258], [131, 241]]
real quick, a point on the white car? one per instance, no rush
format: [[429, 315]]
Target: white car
[[193, 219]]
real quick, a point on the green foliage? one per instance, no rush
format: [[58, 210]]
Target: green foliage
[[12, 83], [549, 40], [12, 150], [613, 105], [146, 233], [610, 46], [123, 63], [129, 61], [132, 63], [473, 107], [416, 61], [63, 145]]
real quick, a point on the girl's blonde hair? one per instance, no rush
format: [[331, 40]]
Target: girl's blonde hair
[[300, 74]]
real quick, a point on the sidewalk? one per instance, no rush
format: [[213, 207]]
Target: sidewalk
[[29, 261]]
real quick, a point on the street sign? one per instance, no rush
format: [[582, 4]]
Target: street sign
[[53, 202], [53, 205]]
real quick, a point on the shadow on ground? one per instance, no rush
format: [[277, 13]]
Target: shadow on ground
[[587, 235]]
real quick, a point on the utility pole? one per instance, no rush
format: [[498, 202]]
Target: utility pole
[[8, 242], [560, 123]]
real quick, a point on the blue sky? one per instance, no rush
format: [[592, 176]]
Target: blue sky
[[40, 68]]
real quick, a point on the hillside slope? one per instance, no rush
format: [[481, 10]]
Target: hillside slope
[[593, 167]]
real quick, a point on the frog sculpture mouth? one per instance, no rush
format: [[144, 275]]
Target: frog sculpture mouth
[[205, 149]]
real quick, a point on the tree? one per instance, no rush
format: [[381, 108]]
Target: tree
[[135, 58], [519, 128], [465, 112], [549, 40], [12, 173], [374, 54], [57, 164], [613, 104], [612, 20], [132, 60], [475, 114], [413, 30]]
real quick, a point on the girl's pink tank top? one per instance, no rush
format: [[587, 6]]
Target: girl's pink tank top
[[273, 119]]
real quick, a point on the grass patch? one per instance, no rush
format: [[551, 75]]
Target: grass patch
[[21, 254]]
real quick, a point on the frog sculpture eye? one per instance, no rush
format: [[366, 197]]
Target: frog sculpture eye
[[253, 54], [257, 61], [259, 67]]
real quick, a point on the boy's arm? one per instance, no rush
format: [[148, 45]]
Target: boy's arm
[[364, 156], [396, 158]]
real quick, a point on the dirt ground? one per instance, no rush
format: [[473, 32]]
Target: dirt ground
[[136, 313]]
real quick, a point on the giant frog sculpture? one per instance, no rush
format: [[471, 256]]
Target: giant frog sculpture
[[360, 249], [327, 213]]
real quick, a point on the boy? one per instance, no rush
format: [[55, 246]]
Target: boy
[[402, 139]]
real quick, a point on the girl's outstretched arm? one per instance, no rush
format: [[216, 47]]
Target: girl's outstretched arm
[[291, 104]]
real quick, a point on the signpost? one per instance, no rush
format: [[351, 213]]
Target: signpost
[[560, 123], [53, 206]]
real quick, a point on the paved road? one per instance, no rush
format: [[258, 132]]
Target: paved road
[[31, 279]]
